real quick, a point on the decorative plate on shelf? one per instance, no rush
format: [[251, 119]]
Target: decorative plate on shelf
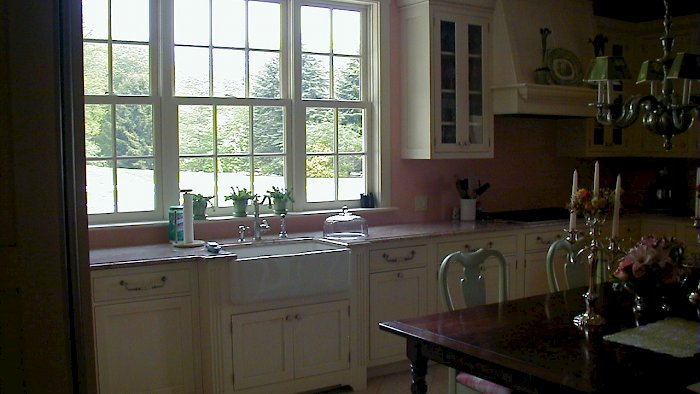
[[564, 67]]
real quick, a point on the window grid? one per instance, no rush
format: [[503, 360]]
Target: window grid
[[164, 109], [108, 193]]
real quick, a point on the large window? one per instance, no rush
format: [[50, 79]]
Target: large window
[[214, 94]]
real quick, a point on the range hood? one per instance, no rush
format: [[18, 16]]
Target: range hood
[[517, 53]]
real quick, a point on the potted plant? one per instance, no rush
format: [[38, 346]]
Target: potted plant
[[240, 198], [279, 198], [200, 203]]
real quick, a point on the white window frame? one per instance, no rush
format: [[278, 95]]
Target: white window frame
[[375, 86]]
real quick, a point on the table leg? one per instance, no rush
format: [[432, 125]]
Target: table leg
[[419, 367]]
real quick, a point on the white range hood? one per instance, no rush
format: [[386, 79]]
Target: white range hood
[[517, 47]]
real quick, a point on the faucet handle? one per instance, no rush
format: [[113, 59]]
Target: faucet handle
[[241, 232], [283, 226]]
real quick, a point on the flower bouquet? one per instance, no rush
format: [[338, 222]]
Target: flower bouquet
[[593, 207], [652, 271]]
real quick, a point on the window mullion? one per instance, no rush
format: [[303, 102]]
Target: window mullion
[[296, 155], [168, 132]]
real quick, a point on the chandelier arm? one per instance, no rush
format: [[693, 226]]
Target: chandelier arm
[[682, 119], [628, 113]]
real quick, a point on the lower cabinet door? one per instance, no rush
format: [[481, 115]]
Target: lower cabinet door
[[291, 343], [145, 346], [394, 295], [262, 348], [321, 339]]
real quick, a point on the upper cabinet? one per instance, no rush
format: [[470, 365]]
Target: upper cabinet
[[446, 103]]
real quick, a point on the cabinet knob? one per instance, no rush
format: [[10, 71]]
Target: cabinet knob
[[297, 316], [288, 318], [399, 275]]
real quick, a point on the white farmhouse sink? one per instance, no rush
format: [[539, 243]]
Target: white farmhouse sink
[[288, 269]]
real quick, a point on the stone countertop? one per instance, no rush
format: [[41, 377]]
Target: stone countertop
[[167, 253]]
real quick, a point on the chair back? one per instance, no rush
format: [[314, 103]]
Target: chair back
[[472, 283], [574, 272]]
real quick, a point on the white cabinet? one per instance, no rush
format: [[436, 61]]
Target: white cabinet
[[584, 137], [291, 343], [146, 334], [397, 290], [446, 63], [535, 266], [507, 245], [681, 228]]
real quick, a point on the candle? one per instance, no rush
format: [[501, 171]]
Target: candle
[[616, 208], [596, 181], [697, 195], [572, 215]]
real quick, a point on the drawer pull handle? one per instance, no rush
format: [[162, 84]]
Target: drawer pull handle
[[125, 284], [546, 241], [389, 259], [468, 248]]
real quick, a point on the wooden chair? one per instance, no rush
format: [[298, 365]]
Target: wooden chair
[[473, 289], [574, 274]]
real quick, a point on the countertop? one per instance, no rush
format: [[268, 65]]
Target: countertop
[[167, 253]]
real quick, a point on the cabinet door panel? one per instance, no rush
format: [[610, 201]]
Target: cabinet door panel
[[145, 347], [535, 275], [321, 339], [262, 348], [394, 295]]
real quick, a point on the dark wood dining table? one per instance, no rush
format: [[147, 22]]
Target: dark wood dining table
[[531, 345]]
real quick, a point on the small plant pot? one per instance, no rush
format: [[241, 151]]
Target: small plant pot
[[279, 206], [239, 208], [200, 210]]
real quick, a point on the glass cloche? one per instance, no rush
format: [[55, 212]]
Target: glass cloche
[[345, 226]]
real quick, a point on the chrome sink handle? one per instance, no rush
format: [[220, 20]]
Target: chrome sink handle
[[283, 226], [241, 232], [259, 226]]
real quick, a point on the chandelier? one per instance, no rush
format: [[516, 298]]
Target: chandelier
[[666, 114]]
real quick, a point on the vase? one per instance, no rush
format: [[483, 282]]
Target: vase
[[239, 208], [279, 205], [650, 308], [467, 209], [199, 209]]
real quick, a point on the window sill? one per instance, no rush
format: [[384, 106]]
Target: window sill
[[213, 219]]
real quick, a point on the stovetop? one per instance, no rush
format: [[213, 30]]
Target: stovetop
[[531, 215]]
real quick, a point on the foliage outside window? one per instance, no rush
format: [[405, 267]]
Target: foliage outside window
[[246, 104]]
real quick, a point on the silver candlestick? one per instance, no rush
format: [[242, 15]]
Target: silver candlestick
[[590, 317]]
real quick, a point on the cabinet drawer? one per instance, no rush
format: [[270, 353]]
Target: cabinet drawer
[[121, 284], [402, 257], [542, 240], [506, 245]]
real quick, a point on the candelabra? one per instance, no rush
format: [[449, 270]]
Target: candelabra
[[590, 317]]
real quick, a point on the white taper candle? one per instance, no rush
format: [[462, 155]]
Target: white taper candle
[[697, 194], [596, 180], [616, 208], [574, 189]]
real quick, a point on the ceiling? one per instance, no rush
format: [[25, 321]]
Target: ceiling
[[643, 10]]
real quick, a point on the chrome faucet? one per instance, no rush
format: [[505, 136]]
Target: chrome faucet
[[260, 226]]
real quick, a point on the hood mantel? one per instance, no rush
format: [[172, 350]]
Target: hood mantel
[[518, 53], [535, 99]]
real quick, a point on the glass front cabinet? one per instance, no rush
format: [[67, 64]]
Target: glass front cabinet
[[446, 103]]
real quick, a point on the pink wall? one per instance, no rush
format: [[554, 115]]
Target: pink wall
[[525, 173]]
